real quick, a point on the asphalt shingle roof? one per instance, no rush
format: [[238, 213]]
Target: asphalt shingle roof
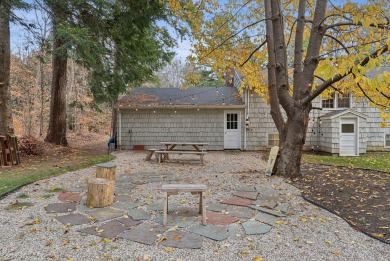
[[203, 96]]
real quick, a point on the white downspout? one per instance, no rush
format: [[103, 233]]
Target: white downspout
[[120, 129], [246, 100]]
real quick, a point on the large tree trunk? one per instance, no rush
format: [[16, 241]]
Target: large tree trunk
[[292, 141], [57, 124], [6, 124]]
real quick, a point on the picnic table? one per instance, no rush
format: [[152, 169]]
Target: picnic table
[[172, 147]]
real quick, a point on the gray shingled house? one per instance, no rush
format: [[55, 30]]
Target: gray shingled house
[[228, 119]]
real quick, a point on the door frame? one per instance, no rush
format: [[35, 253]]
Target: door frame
[[238, 128], [349, 120]]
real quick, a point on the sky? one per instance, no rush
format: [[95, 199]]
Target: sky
[[19, 36]]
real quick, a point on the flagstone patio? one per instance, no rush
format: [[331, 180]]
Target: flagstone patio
[[256, 209]]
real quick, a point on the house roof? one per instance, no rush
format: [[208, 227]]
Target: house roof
[[339, 113], [191, 97]]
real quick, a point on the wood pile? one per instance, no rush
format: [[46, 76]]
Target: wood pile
[[29, 146]]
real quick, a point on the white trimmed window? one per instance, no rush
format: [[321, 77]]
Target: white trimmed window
[[273, 139], [337, 101], [387, 140]]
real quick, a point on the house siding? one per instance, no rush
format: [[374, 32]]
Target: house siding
[[187, 125], [207, 125], [322, 134]]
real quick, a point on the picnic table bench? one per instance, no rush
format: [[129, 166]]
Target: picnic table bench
[[163, 154], [174, 189], [195, 148]]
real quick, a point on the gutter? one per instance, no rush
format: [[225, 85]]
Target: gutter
[[132, 107]]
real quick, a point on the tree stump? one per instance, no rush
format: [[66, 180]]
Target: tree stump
[[106, 171], [100, 193]]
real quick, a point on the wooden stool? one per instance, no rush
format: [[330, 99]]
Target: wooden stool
[[174, 189], [106, 171], [100, 193]]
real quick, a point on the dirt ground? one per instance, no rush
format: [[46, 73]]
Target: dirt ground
[[360, 196], [80, 147]]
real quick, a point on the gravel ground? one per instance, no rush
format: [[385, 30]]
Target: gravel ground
[[308, 233]]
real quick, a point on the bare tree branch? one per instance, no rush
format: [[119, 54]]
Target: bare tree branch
[[253, 52], [338, 41], [230, 37]]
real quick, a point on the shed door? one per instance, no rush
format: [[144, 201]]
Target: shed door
[[348, 137], [232, 138]]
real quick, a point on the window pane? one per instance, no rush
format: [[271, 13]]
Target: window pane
[[387, 140], [329, 103], [235, 125], [273, 139], [344, 102], [228, 117], [347, 128], [235, 117], [228, 125]]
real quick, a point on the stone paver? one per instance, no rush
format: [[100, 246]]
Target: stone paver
[[73, 219], [179, 221], [187, 211], [237, 201], [246, 188], [234, 232], [127, 205], [159, 206], [276, 213], [219, 219], [123, 198], [244, 194], [255, 228], [266, 218], [103, 214], [108, 230], [282, 207], [70, 197], [264, 203], [144, 233], [269, 192], [128, 221], [241, 213], [213, 232], [180, 239], [61, 207], [216, 207], [138, 214]]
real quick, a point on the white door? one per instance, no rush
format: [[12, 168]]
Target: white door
[[348, 137], [232, 138]]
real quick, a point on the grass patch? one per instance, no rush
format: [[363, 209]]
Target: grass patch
[[23, 195], [374, 161], [19, 205], [47, 196], [14, 178]]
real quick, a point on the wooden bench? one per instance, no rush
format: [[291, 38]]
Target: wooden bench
[[150, 154], [174, 189], [160, 153]]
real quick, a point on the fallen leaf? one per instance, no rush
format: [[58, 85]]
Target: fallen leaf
[[244, 252], [336, 252], [258, 258], [65, 242], [169, 249], [176, 237]]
